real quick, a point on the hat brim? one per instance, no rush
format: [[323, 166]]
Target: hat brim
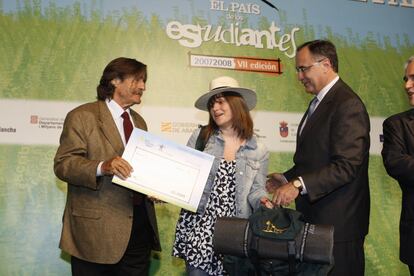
[[248, 95]]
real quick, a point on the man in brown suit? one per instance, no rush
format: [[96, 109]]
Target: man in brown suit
[[107, 229]]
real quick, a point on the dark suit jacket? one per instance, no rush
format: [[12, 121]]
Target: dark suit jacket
[[398, 157], [97, 220], [332, 158]]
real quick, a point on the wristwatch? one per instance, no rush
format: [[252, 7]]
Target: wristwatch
[[297, 184]]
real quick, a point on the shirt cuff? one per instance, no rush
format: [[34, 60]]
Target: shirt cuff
[[98, 169], [304, 191], [284, 178]]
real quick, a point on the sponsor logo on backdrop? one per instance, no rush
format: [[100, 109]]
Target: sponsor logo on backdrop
[[178, 127], [34, 119], [287, 131], [47, 122], [193, 36], [235, 7], [258, 134], [283, 129], [8, 129]]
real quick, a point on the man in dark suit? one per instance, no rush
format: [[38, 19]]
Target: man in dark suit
[[107, 229], [329, 179], [398, 157]]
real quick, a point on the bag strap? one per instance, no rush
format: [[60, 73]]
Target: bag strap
[[291, 257], [253, 254], [201, 139]]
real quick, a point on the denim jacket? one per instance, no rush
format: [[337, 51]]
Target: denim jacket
[[251, 170]]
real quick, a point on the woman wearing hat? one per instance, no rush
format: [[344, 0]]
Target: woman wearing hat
[[236, 184]]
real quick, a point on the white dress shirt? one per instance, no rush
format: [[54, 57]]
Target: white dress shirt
[[116, 112]]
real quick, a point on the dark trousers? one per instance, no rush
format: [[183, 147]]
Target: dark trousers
[[411, 268], [349, 258], [136, 259]]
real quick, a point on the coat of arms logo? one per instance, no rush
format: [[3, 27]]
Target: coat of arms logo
[[283, 129]]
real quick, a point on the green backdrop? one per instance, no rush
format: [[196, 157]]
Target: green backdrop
[[56, 51]]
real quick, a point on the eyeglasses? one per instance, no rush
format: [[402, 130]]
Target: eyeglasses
[[303, 69]]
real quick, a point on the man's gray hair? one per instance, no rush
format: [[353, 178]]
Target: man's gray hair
[[411, 59]]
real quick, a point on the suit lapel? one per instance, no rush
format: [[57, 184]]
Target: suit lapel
[[138, 121], [300, 125], [319, 112], [109, 129], [411, 114], [410, 118]]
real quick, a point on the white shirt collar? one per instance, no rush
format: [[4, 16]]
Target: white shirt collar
[[115, 109], [326, 89], [116, 112]]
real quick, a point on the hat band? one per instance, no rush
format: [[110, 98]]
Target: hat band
[[220, 87]]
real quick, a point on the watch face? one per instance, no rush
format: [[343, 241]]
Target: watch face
[[297, 184]]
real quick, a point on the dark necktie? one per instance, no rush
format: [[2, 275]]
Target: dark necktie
[[128, 127]]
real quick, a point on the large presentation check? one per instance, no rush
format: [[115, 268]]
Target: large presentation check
[[166, 170]]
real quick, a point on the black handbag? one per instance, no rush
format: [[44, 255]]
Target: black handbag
[[278, 242]]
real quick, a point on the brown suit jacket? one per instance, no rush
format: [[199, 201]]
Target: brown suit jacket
[[98, 215], [398, 157], [332, 158]]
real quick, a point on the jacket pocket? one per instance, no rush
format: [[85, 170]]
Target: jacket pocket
[[254, 165], [252, 168], [87, 213]]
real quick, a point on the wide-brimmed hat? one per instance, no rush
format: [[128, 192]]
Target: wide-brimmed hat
[[225, 84]]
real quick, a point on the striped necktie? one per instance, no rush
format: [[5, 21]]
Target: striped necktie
[[312, 107]]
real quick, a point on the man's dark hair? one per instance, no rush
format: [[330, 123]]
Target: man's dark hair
[[322, 48], [119, 68]]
